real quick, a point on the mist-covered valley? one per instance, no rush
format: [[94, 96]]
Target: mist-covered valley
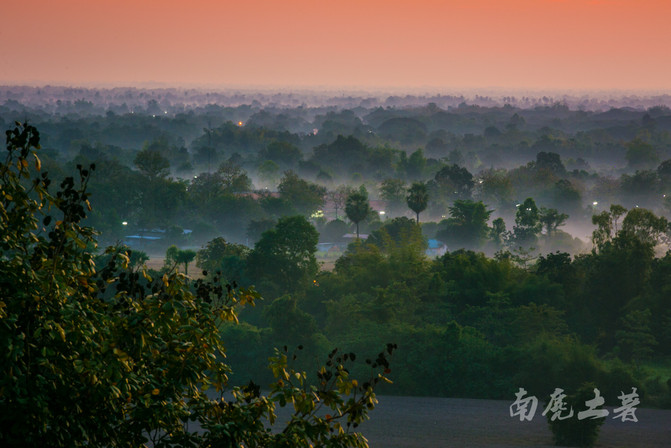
[[574, 154], [486, 243]]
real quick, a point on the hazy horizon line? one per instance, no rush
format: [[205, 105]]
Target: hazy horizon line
[[342, 89]]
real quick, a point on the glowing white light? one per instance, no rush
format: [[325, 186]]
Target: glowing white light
[[595, 203], [125, 223]]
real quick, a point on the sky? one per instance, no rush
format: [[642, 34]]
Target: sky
[[312, 44]]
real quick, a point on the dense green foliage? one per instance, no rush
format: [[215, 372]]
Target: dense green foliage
[[516, 300], [473, 326], [102, 355]]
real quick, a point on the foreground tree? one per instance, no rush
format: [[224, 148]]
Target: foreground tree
[[105, 356]]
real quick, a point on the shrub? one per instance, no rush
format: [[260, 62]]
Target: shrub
[[573, 431]]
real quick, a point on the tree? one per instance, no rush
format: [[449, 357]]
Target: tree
[[345, 155], [339, 197], [644, 225], [551, 162], [572, 431], [152, 164], [565, 195], [498, 231], [233, 178], [467, 225], [283, 153], [606, 223], [304, 196], [495, 186], [415, 165], [640, 186], [269, 172], [393, 191], [169, 147], [622, 264], [400, 233], [333, 231], [209, 258], [285, 255], [104, 356], [527, 223], [357, 207], [175, 256], [641, 155], [635, 339], [204, 187], [455, 181], [664, 173], [159, 201], [256, 227], [418, 198], [288, 322], [551, 219]]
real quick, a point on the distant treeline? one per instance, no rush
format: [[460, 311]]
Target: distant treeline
[[233, 171]]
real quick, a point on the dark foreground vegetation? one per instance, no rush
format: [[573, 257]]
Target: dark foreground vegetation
[[100, 354], [256, 195]]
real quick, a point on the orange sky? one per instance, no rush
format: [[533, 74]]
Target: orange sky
[[533, 44]]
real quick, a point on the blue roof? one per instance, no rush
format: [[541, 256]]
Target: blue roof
[[435, 244]]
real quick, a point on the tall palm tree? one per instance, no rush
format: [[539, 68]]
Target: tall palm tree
[[357, 208], [418, 198]]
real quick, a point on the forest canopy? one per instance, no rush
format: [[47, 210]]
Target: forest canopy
[[497, 245], [96, 352]]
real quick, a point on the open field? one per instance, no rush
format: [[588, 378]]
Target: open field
[[414, 422], [158, 262]]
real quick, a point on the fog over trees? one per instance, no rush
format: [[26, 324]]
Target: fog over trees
[[498, 240]]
